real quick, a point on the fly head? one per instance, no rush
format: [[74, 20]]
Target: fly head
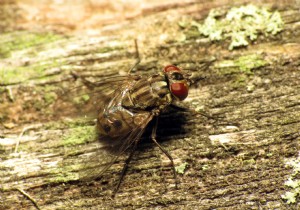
[[178, 82]]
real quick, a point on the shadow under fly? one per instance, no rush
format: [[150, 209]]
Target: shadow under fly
[[134, 102]]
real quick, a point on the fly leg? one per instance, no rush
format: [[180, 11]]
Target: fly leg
[[125, 167], [184, 109], [138, 60], [153, 137]]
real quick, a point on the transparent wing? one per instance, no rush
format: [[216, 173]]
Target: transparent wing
[[87, 97], [105, 157], [107, 154], [101, 154]]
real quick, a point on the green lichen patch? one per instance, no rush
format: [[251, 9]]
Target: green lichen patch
[[16, 74], [20, 40], [63, 174], [41, 99], [240, 25], [242, 68], [50, 97], [79, 135], [181, 168], [250, 62], [19, 50], [293, 181], [80, 100], [243, 64]]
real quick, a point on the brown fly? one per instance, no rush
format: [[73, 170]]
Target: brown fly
[[127, 110]]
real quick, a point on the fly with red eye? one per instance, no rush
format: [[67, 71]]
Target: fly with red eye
[[137, 101]]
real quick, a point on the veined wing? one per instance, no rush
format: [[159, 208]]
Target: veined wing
[[103, 96], [105, 158], [89, 97], [107, 154]]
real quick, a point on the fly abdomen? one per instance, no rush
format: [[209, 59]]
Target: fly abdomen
[[119, 122]]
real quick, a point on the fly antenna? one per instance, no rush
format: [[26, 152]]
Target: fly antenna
[[137, 54]]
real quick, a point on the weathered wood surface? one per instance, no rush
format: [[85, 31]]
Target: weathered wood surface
[[236, 159]]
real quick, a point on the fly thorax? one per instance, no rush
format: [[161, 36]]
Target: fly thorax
[[127, 101], [148, 93]]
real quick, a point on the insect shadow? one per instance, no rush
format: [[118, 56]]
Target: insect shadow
[[171, 123], [171, 126]]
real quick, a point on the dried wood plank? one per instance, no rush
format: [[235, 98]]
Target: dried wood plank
[[235, 159]]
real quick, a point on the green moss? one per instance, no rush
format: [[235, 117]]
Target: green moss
[[81, 99], [64, 177], [50, 97], [25, 45], [49, 94], [11, 42], [15, 74], [250, 62], [240, 25], [79, 135], [293, 183], [242, 68], [243, 64], [64, 173]]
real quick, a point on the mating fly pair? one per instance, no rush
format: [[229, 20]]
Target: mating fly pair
[[137, 100]]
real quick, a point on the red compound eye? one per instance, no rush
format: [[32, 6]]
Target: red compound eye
[[180, 90], [171, 68]]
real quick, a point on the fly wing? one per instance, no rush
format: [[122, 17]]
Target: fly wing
[[90, 98], [86, 99], [105, 151], [105, 156]]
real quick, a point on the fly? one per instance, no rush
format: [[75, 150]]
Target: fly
[[135, 102]]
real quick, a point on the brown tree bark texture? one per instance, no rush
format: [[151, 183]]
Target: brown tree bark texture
[[235, 158]]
